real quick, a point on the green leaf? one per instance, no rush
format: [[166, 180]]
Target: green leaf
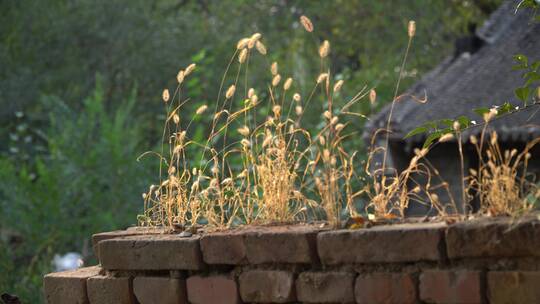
[[417, 130], [522, 93], [481, 111], [432, 137], [464, 121], [505, 108], [535, 66], [447, 122], [522, 59]]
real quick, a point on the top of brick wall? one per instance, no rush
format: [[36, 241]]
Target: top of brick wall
[[303, 244]]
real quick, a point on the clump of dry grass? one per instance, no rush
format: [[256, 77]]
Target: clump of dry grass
[[286, 171], [502, 182]]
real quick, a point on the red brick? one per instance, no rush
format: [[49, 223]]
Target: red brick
[[325, 287], [452, 287], [513, 287], [282, 244], [226, 248], [267, 286], [494, 237], [160, 290], [98, 237], [385, 288], [102, 289], [212, 289], [68, 287], [151, 252], [382, 244]]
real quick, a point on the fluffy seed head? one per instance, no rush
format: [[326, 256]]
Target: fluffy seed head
[[298, 110], [260, 47], [322, 140], [277, 110], [490, 115], [456, 126], [473, 140], [176, 119], [324, 49], [276, 80], [322, 77], [244, 131], [201, 109], [190, 68], [411, 29], [274, 68], [180, 76], [230, 91], [287, 84], [165, 95], [338, 86], [339, 127], [446, 137], [245, 143], [306, 23], [334, 120], [242, 43], [296, 97], [253, 40], [251, 92], [372, 96], [242, 56], [327, 114], [254, 99]]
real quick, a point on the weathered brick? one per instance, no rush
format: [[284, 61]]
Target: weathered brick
[[513, 287], [325, 287], [68, 287], [282, 244], [267, 286], [212, 289], [494, 237], [98, 237], [103, 289], [452, 287], [385, 287], [382, 244], [160, 290], [151, 252], [226, 248]]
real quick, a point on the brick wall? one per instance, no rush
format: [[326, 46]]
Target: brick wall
[[478, 261]]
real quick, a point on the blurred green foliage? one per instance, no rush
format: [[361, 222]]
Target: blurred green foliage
[[80, 86]]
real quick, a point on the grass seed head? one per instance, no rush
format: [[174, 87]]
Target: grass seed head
[[446, 137], [201, 109], [298, 110], [306, 23], [242, 43], [180, 76], [190, 68], [287, 84], [411, 29], [260, 47], [338, 86], [372, 96], [297, 97], [324, 49], [322, 77], [165, 95], [251, 92], [230, 91], [276, 80], [242, 56], [274, 68]]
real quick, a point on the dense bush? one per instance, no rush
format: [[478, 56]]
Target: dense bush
[[88, 181]]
